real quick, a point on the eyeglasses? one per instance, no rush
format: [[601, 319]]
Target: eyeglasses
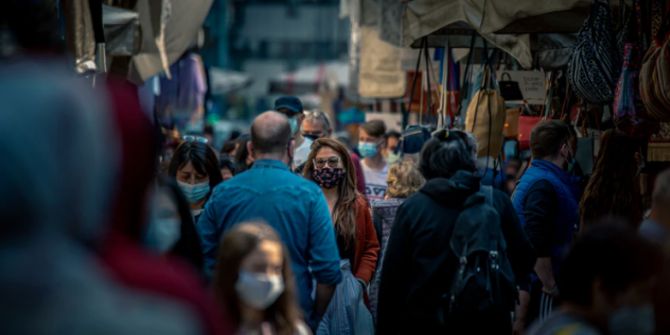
[[332, 162], [194, 138]]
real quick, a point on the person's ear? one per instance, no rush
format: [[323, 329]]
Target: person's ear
[[291, 147], [250, 148]]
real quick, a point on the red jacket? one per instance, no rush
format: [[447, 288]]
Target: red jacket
[[367, 244]]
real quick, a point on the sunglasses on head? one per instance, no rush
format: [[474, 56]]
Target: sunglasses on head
[[194, 138]]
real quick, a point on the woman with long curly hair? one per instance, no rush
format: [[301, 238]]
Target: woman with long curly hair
[[614, 189], [330, 166]]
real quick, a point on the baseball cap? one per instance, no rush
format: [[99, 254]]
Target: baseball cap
[[290, 103]]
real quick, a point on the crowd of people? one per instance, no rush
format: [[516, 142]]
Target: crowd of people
[[287, 230]]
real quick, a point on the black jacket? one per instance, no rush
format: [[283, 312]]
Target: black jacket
[[419, 266]]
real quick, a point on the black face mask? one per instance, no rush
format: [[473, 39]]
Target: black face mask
[[312, 137]]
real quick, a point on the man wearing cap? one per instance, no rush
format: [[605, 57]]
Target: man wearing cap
[[292, 108]]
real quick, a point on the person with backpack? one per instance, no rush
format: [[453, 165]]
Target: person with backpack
[[454, 250]]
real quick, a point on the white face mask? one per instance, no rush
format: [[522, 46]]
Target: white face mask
[[259, 290], [637, 320]]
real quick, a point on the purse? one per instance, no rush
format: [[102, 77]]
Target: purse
[[595, 64], [655, 78], [509, 89]]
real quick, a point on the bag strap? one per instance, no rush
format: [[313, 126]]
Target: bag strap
[[502, 76], [417, 68], [468, 71], [429, 69], [488, 194]]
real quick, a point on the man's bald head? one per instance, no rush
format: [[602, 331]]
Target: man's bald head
[[270, 133]]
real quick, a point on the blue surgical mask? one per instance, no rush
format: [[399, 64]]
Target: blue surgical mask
[[392, 158], [163, 233], [194, 192], [293, 122], [367, 149]]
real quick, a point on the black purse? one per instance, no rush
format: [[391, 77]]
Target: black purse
[[509, 89]]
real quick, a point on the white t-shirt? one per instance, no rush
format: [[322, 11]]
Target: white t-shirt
[[375, 182]]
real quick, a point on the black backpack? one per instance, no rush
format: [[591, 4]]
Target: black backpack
[[484, 283]]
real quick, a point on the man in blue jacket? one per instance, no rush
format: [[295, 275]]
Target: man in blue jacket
[[292, 205], [547, 203]]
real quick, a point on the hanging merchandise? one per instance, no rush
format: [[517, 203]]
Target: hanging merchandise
[[528, 120], [449, 88], [485, 116], [526, 125], [509, 89], [181, 101], [511, 127], [655, 76], [624, 99], [596, 61]]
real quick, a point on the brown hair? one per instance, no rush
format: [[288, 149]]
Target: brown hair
[[613, 188], [374, 128], [404, 179], [548, 137], [236, 245], [344, 213]]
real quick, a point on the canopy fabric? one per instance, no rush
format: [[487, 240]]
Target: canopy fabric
[[225, 81], [309, 78], [169, 28], [424, 17]]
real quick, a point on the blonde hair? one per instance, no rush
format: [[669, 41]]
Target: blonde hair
[[404, 179]]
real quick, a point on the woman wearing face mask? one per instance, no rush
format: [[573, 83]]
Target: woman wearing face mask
[[171, 230], [330, 166], [196, 169], [254, 282], [614, 187]]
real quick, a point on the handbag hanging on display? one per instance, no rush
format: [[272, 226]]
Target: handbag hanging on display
[[655, 75], [594, 67], [485, 115], [509, 89]]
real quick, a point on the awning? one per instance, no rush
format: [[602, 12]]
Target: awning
[[169, 28], [310, 79], [441, 19], [226, 81]]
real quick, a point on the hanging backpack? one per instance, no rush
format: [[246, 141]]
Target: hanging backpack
[[595, 64], [484, 282]]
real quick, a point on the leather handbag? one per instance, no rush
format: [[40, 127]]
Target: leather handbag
[[509, 89]]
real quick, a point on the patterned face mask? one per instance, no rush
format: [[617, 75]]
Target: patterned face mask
[[328, 177]]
